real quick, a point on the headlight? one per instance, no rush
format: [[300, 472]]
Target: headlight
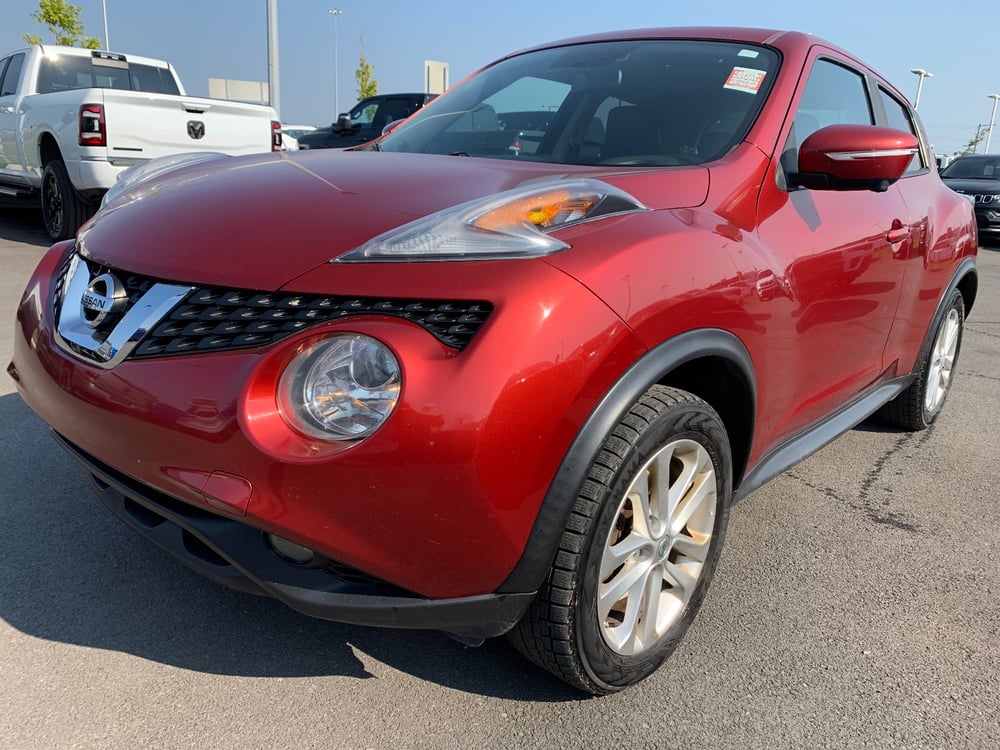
[[512, 224], [341, 388]]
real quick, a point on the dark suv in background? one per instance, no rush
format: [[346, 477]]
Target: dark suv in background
[[978, 177], [365, 121]]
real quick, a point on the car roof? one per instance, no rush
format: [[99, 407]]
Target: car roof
[[782, 39]]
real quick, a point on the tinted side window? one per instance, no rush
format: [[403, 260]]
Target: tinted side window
[[364, 115], [898, 115], [11, 77], [834, 95]]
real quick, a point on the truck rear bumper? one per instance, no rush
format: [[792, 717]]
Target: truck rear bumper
[[97, 175]]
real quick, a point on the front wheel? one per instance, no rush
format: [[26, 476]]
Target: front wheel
[[639, 550], [919, 405], [62, 208]]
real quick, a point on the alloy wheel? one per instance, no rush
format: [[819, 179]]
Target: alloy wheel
[[942, 361], [657, 547]]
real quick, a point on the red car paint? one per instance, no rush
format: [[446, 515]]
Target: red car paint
[[831, 292]]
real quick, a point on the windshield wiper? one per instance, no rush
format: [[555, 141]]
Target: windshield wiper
[[458, 153]]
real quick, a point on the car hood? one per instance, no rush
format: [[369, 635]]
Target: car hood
[[972, 186], [258, 222]]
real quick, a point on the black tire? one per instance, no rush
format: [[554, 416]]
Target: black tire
[[563, 630], [919, 405], [62, 208]]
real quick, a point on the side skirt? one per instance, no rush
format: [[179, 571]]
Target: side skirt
[[803, 445]]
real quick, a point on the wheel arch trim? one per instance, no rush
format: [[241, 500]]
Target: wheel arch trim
[[531, 569], [966, 282]]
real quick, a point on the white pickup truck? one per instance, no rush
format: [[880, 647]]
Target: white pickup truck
[[72, 119]]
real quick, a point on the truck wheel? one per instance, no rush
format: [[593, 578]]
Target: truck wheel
[[919, 405], [639, 549], [62, 209]]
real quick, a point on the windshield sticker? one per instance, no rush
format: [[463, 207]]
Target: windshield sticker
[[988, 172], [745, 79], [748, 53]]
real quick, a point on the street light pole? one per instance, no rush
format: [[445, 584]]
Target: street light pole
[[107, 42], [993, 115], [922, 74], [336, 75], [273, 77]]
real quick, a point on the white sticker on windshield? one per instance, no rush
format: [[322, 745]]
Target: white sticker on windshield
[[745, 79], [988, 171], [748, 53]]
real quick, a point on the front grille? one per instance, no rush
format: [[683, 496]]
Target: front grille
[[220, 319], [135, 285], [214, 319]]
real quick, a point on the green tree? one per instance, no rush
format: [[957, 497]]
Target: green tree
[[973, 144], [64, 23], [367, 86]]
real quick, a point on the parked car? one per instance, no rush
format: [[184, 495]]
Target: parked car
[[978, 177], [366, 121], [72, 120], [489, 392], [290, 135]]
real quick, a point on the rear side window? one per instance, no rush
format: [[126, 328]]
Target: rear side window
[[898, 115], [11, 76], [68, 72]]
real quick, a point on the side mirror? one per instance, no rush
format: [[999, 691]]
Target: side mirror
[[390, 126], [343, 123], [853, 157]]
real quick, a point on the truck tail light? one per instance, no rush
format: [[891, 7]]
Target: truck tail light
[[275, 135], [93, 131]]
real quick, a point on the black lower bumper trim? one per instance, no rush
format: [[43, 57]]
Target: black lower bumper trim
[[236, 555]]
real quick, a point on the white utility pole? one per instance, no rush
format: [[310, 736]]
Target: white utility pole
[[993, 115], [336, 84]]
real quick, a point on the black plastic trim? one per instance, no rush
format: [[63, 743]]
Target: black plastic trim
[[530, 571], [234, 554], [819, 435]]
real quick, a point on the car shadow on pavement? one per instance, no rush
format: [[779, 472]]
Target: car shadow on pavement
[[73, 573], [23, 224]]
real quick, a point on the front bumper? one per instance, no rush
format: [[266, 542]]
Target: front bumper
[[988, 219], [440, 502], [238, 556]]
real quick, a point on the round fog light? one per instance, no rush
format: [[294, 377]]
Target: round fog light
[[341, 388], [289, 550]]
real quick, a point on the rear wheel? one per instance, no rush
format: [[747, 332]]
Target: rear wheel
[[919, 405], [62, 208], [639, 550]]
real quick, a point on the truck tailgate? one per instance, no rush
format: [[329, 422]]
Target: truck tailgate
[[144, 126]]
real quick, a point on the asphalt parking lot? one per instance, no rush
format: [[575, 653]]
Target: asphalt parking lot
[[855, 606]]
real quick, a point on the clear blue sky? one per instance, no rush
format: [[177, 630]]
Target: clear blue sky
[[228, 39]]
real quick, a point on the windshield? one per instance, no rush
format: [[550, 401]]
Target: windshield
[[66, 72], [638, 103], [981, 168]]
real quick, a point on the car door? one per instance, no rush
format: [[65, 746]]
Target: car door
[[10, 76], [833, 254], [924, 279]]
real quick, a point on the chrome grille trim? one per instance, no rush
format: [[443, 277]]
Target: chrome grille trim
[[163, 319]]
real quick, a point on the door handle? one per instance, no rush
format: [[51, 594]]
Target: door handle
[[897, 234]]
